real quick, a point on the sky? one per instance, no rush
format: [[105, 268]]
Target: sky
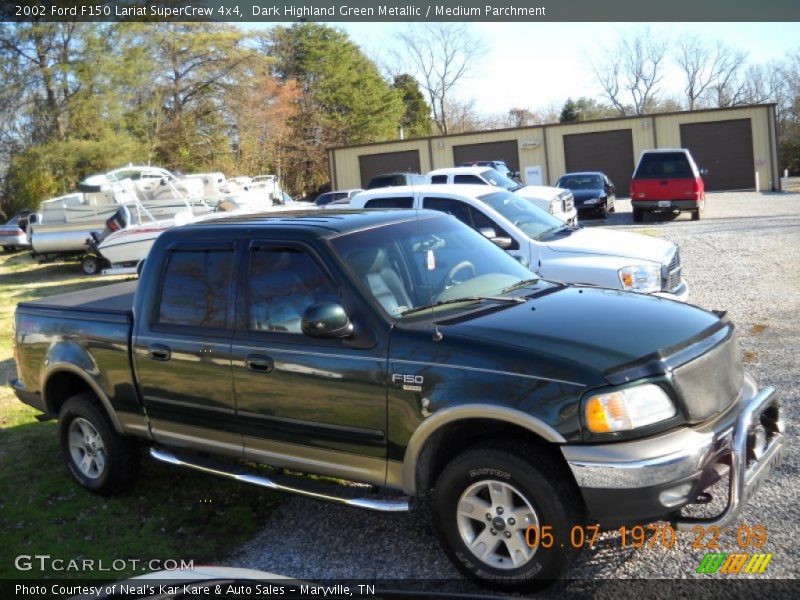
[[534, 65]]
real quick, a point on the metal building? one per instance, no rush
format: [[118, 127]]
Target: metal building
[[736, 145]]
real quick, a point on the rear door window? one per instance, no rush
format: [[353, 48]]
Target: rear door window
[[394, 202], [439, 179], [196, 289], [664, 165], [452, 207]]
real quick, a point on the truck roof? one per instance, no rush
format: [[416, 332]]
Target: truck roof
[[307, 223]]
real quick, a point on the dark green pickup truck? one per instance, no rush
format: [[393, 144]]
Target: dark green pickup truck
[[405, 351]]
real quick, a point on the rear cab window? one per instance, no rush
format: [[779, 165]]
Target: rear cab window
[[664, 165], [468, 179]]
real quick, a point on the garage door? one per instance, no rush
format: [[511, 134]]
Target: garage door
[[506, 151], [607, 151], [388, 162], [725, 149]]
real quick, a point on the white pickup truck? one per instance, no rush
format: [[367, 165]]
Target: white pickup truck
[[556, 201], [592, 256]]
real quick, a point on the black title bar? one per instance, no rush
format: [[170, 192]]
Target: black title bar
[[400, 11]]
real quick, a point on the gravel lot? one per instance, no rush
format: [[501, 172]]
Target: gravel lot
[[743, 257]]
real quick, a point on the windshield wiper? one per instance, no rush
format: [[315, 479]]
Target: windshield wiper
[[508, 299], [519, 284]]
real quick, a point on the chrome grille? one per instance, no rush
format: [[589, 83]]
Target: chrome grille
[[671, 273]]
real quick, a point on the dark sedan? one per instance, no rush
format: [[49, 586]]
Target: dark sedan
[[593, 192]]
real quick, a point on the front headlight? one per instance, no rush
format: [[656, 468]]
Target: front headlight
[[628, 409], [641, 278]]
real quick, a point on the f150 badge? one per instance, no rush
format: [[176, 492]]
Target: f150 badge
[[412, 383]]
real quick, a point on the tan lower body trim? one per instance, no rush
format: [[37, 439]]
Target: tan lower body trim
[[306, 459], [197, 438]]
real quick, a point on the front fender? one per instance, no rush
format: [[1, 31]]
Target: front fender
[[453, 414]]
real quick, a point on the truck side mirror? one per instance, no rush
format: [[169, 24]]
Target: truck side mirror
[[326, 320], [703, 171]]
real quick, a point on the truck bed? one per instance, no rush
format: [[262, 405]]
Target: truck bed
[[114, 301]]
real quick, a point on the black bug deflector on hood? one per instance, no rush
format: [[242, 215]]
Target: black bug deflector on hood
[[706, 370]]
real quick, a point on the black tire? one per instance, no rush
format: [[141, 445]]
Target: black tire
[[8, 248], [91, 264], [120, 455], [604, 212], [638, 215], [696, 214], [533, 478]]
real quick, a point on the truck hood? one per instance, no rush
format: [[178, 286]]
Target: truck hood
[[603, 242], [538, 192], [595, 328]]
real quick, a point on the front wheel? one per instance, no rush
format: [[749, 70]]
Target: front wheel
[[484, 502], [90, 264], [97, 457]]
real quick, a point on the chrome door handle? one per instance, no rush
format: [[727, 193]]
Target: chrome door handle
[[159, 352], [259, 363]]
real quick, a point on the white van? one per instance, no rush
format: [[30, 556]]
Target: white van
[[592, 256], [556, 201]]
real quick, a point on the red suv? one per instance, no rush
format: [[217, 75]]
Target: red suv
[[666, 181]]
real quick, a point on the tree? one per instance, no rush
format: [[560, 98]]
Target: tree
[[630, 73], [440, 55], [707, 67], [198, 66], [341, 97], [416, 120], [582, 109]]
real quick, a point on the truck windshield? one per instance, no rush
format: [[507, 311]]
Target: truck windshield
[[429, 262], [498, 180], [530, 219], [580, 182]]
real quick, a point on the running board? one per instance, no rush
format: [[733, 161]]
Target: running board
[[309, 488]]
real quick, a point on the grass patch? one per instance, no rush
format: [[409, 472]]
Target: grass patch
[[171, 513], [757, 328]]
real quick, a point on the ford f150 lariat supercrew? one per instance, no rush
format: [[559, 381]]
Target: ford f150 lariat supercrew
[[403, 350]]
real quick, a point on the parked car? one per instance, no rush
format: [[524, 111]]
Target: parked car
[[558, 202], [403, 350], [13, 235], [328, 197], [391, 179], [498, 165], [667, 181], [592, 192], [593, 256]]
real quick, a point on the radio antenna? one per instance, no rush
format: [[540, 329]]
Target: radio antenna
[[437, 334]]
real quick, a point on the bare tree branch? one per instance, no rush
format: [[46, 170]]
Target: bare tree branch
[[439, 55], [630, 73]]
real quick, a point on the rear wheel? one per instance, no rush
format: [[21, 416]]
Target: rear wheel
[[638, 215], [696, 214], [9, 248], [484, 502], [97, 457]]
